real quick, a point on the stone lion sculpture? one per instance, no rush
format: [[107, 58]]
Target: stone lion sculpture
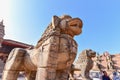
[[53, 55], [84, 63]]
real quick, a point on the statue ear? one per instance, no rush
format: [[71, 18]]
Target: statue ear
[[55, 21]]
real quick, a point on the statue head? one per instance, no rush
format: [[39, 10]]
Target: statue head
[[89, 53], [68, 25], [62, 25]]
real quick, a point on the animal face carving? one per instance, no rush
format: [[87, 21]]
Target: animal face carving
[[68, 25], [90, 53]]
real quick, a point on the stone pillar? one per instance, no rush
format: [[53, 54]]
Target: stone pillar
[[2, 32]]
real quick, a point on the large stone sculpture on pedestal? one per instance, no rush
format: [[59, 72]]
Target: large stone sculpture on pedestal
[[84, 63], [53, 55]]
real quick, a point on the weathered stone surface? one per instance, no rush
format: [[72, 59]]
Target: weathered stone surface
[[53, 55], [84, 63]]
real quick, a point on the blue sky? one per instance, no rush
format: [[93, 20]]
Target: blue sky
[[26, 20]]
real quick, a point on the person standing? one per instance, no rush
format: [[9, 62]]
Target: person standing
[[105, 76], [116, 76]]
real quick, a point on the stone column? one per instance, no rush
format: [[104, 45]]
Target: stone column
[[2, 32]]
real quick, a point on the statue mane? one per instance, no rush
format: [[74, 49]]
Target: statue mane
[[85, 55], [82, 56], [52, 29], [47, 33]]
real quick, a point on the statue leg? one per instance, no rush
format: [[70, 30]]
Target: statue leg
[[88, 75], [13, 64], [62, 75], [85, 75], [30, 75], [46, 74], [71, 75]]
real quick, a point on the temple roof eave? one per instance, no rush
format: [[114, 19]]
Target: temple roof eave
[[15, 43]]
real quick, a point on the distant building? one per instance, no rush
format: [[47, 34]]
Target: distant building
[[8, 45]]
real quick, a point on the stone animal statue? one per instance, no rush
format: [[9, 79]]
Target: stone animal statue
[[84, 64], [53, 55]]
